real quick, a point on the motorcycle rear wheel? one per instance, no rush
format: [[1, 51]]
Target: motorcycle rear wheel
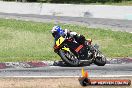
[[100, 60]]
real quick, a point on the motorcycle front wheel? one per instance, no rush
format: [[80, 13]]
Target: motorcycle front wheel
[[69, 58]]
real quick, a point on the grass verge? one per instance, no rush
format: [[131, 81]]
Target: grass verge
[[26, 41]]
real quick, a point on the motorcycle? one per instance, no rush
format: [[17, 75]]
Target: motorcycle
[[75, 54]]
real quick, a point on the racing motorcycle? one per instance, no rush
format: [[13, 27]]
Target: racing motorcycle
[[75, 54]]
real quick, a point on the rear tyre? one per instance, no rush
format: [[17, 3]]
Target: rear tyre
[[100, 60], [70, 60]]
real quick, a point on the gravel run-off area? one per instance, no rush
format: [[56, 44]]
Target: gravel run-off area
[[50, 83]]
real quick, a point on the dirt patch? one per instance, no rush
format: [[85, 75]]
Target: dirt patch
[[48, 83]]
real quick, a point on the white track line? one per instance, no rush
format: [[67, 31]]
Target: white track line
[[65, 76]]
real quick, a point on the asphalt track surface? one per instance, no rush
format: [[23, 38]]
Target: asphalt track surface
[[114, 24], [110, 70]]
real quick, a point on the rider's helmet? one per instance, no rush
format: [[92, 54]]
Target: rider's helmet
[[57, 31], [55, 28]]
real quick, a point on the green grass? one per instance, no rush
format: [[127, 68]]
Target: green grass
[[26, 41]]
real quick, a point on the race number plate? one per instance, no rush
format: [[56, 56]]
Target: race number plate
[[60, 41]]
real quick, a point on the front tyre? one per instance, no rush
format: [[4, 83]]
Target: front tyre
[[69, 58]]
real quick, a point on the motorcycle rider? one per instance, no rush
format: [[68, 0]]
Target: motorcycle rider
[[57, 31]]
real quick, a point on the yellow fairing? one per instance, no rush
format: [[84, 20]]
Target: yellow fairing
[[59, 41], [67, 49]]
